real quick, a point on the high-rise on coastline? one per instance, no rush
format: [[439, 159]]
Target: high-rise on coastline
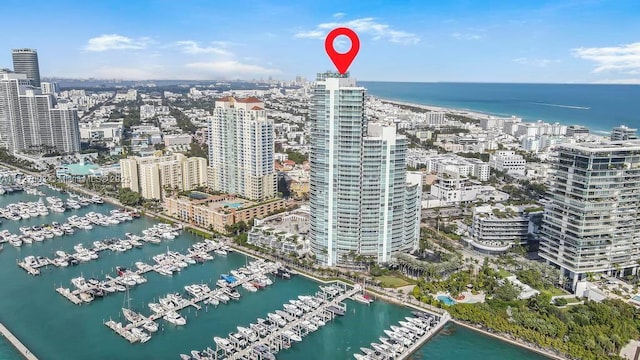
[[591, 222], [30, 120], [241, 149], [360, 201], [25, 61]]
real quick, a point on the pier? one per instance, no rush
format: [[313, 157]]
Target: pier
[[277, 341], [16, 343], [75, 296], [125, 331], [424, 338], [33, 268]]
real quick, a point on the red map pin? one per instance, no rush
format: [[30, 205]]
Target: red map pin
[[342, 61]]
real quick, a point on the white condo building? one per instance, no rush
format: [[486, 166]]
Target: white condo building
[[241, 143], [623, 132], [30, 120], [509, 162], [361, 200], [592, 221]]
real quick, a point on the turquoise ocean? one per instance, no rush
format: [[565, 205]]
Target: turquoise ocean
[[53, 328], [599, 107]]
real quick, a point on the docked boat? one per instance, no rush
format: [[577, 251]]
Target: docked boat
[[309, 325], [212, 301], [411, 327], [232, 293], [398, 337], [97, 200], [292, 336], [150, 326], [318, 321], [249, 334], [277, 319], [395, 345], [174, 318], [222, 297], [362, 298], [223, 343], [263, 352], [247, 286], [142, 336], [292, 309], [284, 315], [131, 315]]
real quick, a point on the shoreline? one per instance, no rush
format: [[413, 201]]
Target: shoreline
[[478, 115], [519, 344]]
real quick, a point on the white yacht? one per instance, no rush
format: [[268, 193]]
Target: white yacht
[[142, 336], [292, 336], [174, 318], [223, 343]]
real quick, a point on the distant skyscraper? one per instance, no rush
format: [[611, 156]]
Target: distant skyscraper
[[591, 223], [359, 197], [30, 122], [25, 61], [624, 133], [241, 149]]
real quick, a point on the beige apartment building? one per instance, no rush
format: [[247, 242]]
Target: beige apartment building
[[215, 212], [151, 176]]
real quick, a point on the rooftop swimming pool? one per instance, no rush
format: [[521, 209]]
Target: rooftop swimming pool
[[233, 205]]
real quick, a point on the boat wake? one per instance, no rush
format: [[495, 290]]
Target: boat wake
[[563, 106]]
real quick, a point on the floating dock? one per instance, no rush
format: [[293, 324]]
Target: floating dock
[[443, 319], [74, 295], [16, 343], [276, 341], [125, 331]]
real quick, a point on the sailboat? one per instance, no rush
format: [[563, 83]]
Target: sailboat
[[133, 317], [362, 296]]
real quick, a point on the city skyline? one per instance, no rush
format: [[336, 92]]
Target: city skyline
[[432, 43]]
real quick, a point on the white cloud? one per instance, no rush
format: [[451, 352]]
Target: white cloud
[[363, 26], [536, 62], [116, 42], [623, 58], [194, 48], [231, 68], [338, 15], [466, 36]]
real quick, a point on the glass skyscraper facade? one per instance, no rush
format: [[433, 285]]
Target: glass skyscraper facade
[[359, 196], [25, 61], [592, 220]]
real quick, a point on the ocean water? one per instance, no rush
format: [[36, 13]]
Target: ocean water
[[599, 107], [53, 328]]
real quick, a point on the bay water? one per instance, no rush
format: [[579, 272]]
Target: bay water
[[53, 328]]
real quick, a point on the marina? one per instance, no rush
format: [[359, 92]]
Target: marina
[[166, 264], [32, 302], [168, 307], [39, 233], [154, 234], [279, 330]]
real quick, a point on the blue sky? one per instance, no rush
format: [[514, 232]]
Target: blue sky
[[478, 41]]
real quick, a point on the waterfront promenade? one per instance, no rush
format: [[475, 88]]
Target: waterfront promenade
[[16, 343]]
